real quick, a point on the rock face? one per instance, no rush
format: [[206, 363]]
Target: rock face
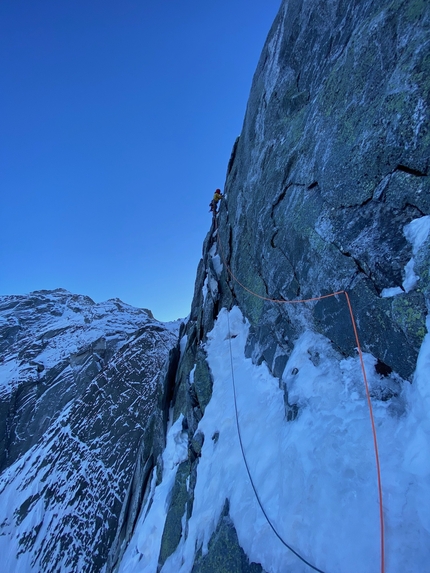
[[331, 165], [79, 387], [330, 169]]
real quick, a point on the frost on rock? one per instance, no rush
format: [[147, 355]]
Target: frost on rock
[[216, 260], [416, 232]]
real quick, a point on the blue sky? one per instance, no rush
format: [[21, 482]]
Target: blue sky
[[117, 119]]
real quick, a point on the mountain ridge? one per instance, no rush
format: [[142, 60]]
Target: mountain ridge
[[80, 382]]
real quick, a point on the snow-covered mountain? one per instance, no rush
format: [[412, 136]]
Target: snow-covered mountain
[[79, 384]]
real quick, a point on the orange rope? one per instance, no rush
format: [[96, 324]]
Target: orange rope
[[363, 369]]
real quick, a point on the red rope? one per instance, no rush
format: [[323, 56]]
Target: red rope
[[363, 369]]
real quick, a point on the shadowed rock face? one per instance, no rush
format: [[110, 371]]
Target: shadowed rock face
[[80, 385], [331, 164], [225, 554]]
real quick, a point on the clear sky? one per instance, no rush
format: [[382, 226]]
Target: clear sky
[[117, 119]]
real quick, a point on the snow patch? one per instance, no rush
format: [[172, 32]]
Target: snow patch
[[142, 553], [193, 371], [210, 285], [392, 291], [183, 344], [411, 279], [216, 260], [315, 476], [416, 232], [205, 289]]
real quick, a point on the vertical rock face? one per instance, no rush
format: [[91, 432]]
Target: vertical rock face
[[79, 388], [327, 190], [331, 165]]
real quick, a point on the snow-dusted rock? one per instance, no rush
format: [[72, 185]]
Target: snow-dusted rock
[[79, 384]]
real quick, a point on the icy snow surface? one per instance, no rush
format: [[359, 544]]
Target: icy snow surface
[[416, 233], [316, 476], [216, 260], [142, 552]]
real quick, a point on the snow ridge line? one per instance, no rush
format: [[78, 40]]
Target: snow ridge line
[[369, 403]]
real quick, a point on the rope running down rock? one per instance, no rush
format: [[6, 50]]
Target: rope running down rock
[[369, 402]]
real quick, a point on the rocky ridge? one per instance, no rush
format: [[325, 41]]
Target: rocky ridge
[[79, 388]]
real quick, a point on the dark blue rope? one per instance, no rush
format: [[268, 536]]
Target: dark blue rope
[[248, 470]]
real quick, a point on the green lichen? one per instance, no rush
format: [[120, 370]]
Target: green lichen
[[224, 555], [254, 305], [424, 274], [415, 10], [173, 525], [247, 274], [202, 381], [182, 377], [180, 406], [410, 317]]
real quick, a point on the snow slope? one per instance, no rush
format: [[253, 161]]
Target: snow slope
[[315, 476]]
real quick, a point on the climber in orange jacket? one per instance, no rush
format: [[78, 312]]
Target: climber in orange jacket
[[216, 198]]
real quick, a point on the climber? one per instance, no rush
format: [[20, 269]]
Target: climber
[[216, 198]]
